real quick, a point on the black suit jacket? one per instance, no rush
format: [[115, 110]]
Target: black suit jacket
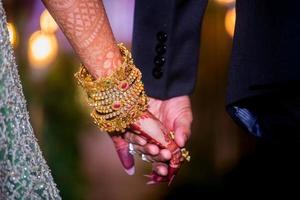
[[166, 40], [265, 67], [265, 55]]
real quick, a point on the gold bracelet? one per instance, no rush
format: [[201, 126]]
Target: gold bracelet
[[122, 86], [128, 95], [118, 123], [119, 99]]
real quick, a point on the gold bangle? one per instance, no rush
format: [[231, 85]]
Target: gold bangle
[[119, 123], [119, 99], [132, 93]]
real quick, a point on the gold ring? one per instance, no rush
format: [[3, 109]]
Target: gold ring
[[186, 154]]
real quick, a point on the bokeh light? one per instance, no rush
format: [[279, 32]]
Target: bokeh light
[[42, 49], [230, 21], [226, 2], [47, 23], [13, 35]]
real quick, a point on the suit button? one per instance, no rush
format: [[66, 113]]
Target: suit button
[[161, 49], [157, 72], [159, 61], [162, 36]]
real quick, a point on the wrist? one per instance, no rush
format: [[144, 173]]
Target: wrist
[[118, 99], [107, 63]]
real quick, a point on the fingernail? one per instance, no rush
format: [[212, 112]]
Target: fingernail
[[171, 180], [182, 141], [150, 182], [130, 171], [148, 176]]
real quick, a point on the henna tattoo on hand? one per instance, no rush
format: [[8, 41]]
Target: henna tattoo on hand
[[61, 5], [86, 26]]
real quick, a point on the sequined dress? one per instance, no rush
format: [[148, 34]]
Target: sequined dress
[[24, 173]]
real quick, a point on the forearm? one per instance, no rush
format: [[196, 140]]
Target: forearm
[[85, 24]]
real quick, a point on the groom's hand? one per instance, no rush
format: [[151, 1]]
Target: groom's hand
[[176, 115]]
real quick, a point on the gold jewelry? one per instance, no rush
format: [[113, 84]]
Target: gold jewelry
[[119, 99], [186, 154], [172, 135]]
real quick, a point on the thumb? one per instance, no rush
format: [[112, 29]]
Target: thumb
[[126, 158], [182, 129]]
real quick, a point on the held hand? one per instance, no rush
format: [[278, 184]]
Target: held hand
[[150, 132], [154, 132], [122, 146], [176, 115]]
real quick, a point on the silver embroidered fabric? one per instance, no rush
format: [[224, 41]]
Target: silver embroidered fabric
[[24, 173]]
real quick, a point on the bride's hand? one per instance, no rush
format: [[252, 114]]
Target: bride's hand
[[91, 37]]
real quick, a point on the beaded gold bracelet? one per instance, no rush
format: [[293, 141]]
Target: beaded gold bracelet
[[117, 100]]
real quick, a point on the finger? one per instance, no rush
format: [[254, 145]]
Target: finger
[[148, 149], [134, 139], [163, 156], [126, 158], [160, 168], [182, 129]]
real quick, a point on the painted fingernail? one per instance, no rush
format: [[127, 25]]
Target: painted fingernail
[[171, 180], [130, 171], [150, 182], [148, 176]]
